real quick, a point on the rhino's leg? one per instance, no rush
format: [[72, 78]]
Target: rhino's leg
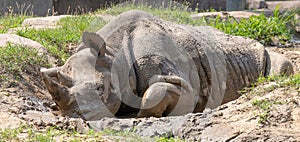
[[279, 65], [159, 98], [169, 95], [201, 104]]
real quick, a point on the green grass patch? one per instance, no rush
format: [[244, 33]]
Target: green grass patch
[[281, 80], [17, 59], [265, 105], [27, 133], [11, 21], [169, 140], [268, 84], [56, 40]]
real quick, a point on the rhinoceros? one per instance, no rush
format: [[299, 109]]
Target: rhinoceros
[[142, 65]]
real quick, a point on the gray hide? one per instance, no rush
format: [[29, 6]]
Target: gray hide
[[157, 67]]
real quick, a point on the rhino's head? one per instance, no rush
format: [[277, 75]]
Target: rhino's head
[[82, 87]]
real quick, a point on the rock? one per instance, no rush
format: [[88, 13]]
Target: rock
[[235, 5], [256, 4], [221, 132], [7, 120], [150, 127], [12, 39], [45, 117], [107, 17], [18, 40], [203, 5], [15, 30], [39, 23], [79, 125], [235, 14], [43, 21], [297, 25], [284, 5]]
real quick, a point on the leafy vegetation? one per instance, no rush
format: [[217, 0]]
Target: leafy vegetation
[[261, 28]]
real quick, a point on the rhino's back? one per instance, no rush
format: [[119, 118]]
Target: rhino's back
[[224, 63], [113, 32]]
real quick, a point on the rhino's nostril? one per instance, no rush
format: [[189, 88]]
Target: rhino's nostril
[[98, 88]]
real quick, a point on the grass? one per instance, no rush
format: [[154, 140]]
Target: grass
[[27, 133], [264, 29], [14, 60], [265, 105], [281, 80], [56, 40], [11, 21], [179, 16], [278, 80]]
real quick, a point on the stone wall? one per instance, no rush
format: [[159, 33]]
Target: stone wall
[[202, 5], [37, 7], [50, 7], [80, 6]]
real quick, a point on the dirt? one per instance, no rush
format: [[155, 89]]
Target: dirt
[[28, 102]]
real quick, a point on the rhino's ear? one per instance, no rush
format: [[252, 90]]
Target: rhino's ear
[[94, 42]]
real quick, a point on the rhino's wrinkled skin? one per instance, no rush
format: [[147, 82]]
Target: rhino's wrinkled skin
[[157, 67]]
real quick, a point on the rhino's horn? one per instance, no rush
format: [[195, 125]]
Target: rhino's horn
[[64, 79], [60, 94], [52, 72], [95, 42]]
